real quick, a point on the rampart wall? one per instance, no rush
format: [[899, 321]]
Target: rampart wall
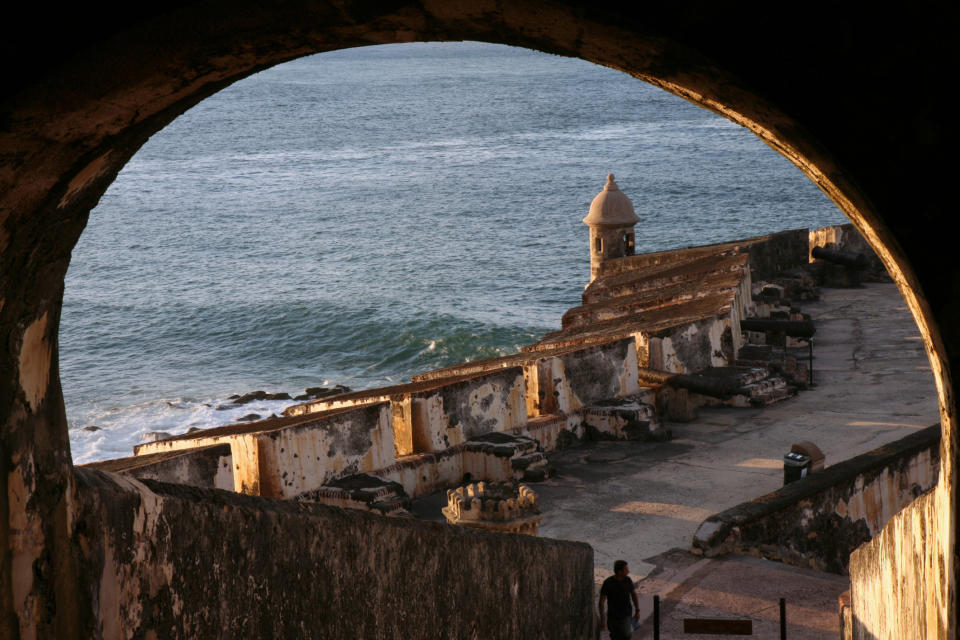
[[170, 561]]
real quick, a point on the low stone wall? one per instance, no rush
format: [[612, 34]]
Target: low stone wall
[[209, 467], [691, 272], [436, 413], [555, 431], [819, 520], [169, 561], [287, 456], [771, 255], [563, 379]]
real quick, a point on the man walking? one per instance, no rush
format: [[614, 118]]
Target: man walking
[[618, 591]]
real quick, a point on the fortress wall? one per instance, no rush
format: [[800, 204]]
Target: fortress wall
[[778, 252], [847, 238], [209, 467], [547, 429], [423, 473], [487, 467], [899, 581], [579, 378], [844, 236], [455, 413], [297, 459], [282, 461], [693, 346], [155, 559]]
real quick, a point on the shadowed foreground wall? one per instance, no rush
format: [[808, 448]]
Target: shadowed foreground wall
[[169, 561]]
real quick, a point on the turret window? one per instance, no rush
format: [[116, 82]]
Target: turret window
[[598, 243]]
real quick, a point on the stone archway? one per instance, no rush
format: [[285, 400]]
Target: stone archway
[[73, 116]]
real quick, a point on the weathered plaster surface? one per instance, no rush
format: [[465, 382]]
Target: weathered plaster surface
[[310, 571], [899, 580], [292, 461], [208, 467], [35, 355], [27, 544]]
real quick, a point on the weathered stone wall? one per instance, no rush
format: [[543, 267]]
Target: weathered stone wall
[[772, 255], [287, 456], [456, 412], [297, 459], [569, 381], [167, 561], [899, 580], [423, 473], [208, 467], [847, 238], [694, 346], [819, 520]]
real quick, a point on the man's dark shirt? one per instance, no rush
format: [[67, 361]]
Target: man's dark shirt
[[618, 597]]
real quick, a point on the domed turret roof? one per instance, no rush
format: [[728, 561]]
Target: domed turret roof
[[611, 207]]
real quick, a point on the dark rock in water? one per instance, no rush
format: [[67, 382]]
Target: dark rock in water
[[193, 429], [93, 427], [249, 417], [154, 436], [250, 397], [323, 392], [233, 397], [224, 407], [260, 395], [302, 396]]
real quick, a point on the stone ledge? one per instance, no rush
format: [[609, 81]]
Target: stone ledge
[[788, 524]]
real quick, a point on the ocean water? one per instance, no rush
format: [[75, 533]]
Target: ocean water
[[359, 216]]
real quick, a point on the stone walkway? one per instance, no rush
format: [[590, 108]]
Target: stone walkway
[[738, 587]]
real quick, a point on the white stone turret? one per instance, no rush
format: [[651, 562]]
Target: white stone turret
[[611, 221]]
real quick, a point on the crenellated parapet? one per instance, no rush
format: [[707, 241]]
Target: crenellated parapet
[[495, 507]]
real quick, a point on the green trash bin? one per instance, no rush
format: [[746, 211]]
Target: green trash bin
[[795, 466]]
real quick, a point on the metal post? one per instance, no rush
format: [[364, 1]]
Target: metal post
[[656, 617], [783, 619]]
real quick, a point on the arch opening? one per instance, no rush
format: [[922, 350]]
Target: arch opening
[[280, 180]]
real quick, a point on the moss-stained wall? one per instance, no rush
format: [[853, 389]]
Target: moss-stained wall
[[167, 561]]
